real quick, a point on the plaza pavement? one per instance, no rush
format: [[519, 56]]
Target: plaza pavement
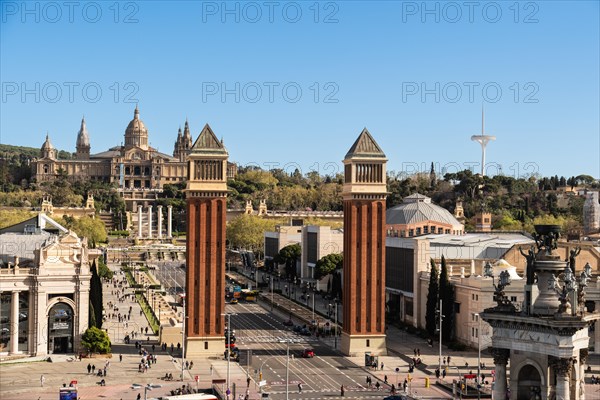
[[20, 379]]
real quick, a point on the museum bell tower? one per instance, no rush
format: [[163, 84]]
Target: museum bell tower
[[206, 194], [364, 193]]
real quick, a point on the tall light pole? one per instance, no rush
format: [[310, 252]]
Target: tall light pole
[[228, 315], [440, 324], [335, 325], [183, 338], [287, 369], [271, 292], [478, 357]]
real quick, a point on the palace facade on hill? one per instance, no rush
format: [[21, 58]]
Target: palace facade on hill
[[134, 166]]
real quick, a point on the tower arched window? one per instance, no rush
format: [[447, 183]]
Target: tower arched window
[[46, 168]]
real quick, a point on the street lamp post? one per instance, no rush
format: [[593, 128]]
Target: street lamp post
[[440, 324], [228, 315], [183, 338], [313, 310], [335, 325], [287, 369], [271, 292], [478, 357]]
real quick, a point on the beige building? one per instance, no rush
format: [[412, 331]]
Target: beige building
[[138, 169], [283, 236], [44, 288]]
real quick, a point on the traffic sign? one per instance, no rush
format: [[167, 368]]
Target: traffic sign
[[262, 383], [197, 378]]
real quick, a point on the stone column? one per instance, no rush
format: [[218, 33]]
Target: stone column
[[500, 360], [139, 222], [14, 323], [149, 222], [169, 221], [160, 221], [562, 367]]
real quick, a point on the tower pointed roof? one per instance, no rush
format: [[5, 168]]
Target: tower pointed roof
[[83, 138], [207, 143], [47, 145], [365, 146], [186, 129]]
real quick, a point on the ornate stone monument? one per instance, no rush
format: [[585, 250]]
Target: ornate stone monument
[[546, 342]]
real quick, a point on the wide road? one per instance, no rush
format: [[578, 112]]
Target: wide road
[[171, 275], [322, 376]]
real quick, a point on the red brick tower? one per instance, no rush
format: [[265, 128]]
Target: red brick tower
[[206, 194], [364, 196]]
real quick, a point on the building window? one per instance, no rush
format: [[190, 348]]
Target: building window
[[457, 308], [513, 298], [425, 229], [368, 343], [411, 232], [418, 231], [440, 230]]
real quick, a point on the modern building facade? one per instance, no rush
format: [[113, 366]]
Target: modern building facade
[[364, 193], [317, 242], [44, 288], [206, 196]]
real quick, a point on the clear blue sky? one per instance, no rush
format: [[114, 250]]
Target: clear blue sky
[[414, 77]]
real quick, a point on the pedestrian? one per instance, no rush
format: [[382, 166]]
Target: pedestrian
[[385, 379], [444, 373], [299, 387], [444, 361], [448, 360], [342, 391], [382, 365], [415, 352], [248, 382], [42, 380], [377, 386], [393, 389], [93, 369], [89, 368], [192, 364], [418, 352], [139, 397]]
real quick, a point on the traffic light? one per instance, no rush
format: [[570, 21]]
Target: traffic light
[[426, 382]]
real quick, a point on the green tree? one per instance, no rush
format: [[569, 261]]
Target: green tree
[[432, 300], [103, 271], [96, 340], [248, 231], [447, 295], [95, 297], [289, 255], [86, 226], [327, 264]]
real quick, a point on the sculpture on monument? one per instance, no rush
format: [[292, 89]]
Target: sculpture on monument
[[573, 254], [530, 269]]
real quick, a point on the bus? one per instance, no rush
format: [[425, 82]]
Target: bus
[[249, 295]]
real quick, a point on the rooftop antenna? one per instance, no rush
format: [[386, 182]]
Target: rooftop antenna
[[483, 140]]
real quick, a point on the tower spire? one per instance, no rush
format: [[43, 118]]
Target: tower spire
[[482, 120]]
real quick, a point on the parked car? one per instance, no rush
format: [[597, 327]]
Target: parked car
[[305, 332], [233, 301], [308, 353]]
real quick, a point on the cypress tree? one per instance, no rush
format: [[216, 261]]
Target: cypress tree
[[447, 294], [96, 295], [432, 300]]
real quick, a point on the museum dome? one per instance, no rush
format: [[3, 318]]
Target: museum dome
[[416, 209], [136, 134]]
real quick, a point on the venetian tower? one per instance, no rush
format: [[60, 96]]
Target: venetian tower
[[364, 193], [206, 194], [591, 214]]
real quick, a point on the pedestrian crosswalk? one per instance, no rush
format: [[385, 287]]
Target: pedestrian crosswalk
[[272, 339]]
